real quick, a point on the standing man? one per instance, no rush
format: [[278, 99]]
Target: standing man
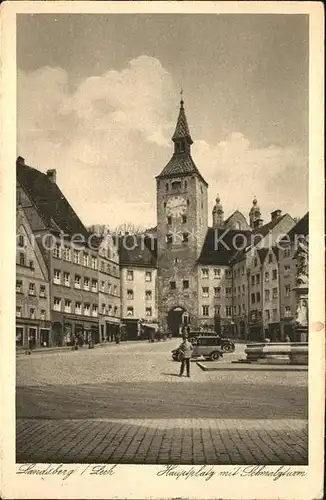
[[186, 349]]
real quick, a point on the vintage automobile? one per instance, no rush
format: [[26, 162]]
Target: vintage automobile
[[207, 346]]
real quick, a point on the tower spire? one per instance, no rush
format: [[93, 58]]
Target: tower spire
[[181, 137]]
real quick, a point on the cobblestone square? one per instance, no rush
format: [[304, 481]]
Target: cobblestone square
[[126, 404]]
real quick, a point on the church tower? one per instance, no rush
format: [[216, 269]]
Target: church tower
[[255, 219], [181, 230]]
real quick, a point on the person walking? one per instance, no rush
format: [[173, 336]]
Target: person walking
[[186, 349]]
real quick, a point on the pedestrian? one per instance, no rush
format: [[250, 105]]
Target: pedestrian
[[186, 349]]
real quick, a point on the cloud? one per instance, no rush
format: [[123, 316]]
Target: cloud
[[278, 176], [102, 136], [109, 136]]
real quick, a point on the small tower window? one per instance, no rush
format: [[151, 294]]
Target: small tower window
[[169, 220], [176, 185], [184, 219], [186, 184], [166, 187]]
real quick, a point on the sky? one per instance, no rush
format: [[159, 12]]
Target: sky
[[98, 98]]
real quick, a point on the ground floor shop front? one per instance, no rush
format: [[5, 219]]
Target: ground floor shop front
[[68, 329], [31, 334]]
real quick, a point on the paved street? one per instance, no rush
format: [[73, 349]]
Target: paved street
[[125, 403]]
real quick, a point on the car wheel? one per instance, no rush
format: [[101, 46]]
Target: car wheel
[[215, 356], [228, 348]]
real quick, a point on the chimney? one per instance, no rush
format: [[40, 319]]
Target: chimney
[[258, 223], [276, 215], [21, 160], [52, 175]]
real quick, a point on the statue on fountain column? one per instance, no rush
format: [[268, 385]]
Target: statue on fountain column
[[302, 267], [302, 312]]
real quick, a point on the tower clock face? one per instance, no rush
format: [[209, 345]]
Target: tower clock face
[[176, 206]]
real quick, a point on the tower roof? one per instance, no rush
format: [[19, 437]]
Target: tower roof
[[182, 128], [181, 162]]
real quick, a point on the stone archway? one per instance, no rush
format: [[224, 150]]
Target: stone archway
[[177, 316]]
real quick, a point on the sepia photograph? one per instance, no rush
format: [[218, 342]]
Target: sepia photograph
[[163, 292]]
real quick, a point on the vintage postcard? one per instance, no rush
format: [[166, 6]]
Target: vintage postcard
[[162, 307]]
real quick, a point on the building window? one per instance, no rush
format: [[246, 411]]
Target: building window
[[20, 240], [275, 293], [270, 258], [274, 274], [57, 304], [228, 273], [228, 311], [185, 284], [252, 280], [205, 291], [115, 290], [78, 308], [87, 309], [94, 285], [185, 184], [288, 311], [76, 257], [56, 277], [287, 290], [266, 277], [77, 281], [286, 252], [243, 289], [32, 313], [185, 237], [86, 283], [57, 251], [173, 285], [130, 294], [66, 254], [22, 259], [148, 311], [94, 263], [19, 286], [205, 310], [67, 306], [168, 238], [130, 311], [217, 291], [66, 279], [148, 276], [228, 290], [109, 310], [130, 275], [102, 286], [258, 279], [253, 298], [287, 270], [166, 187], [108, 268], [169, 219], [102, 265], [217, 310], [267, 295], [103, 308], [31, 264], [267, 314], [109, 288], [274, 314], [184, 219], [176, 185], [94, 310], [148, 295], [18, 311], [205, 273], [115, 311], [258, 297], [31, 289], [217, 273]]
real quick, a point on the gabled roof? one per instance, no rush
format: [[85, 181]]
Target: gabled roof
[[138, 251], [264, 230], [49, 200], [262, 252], [301, 227], [221, 245], [182, 129]]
